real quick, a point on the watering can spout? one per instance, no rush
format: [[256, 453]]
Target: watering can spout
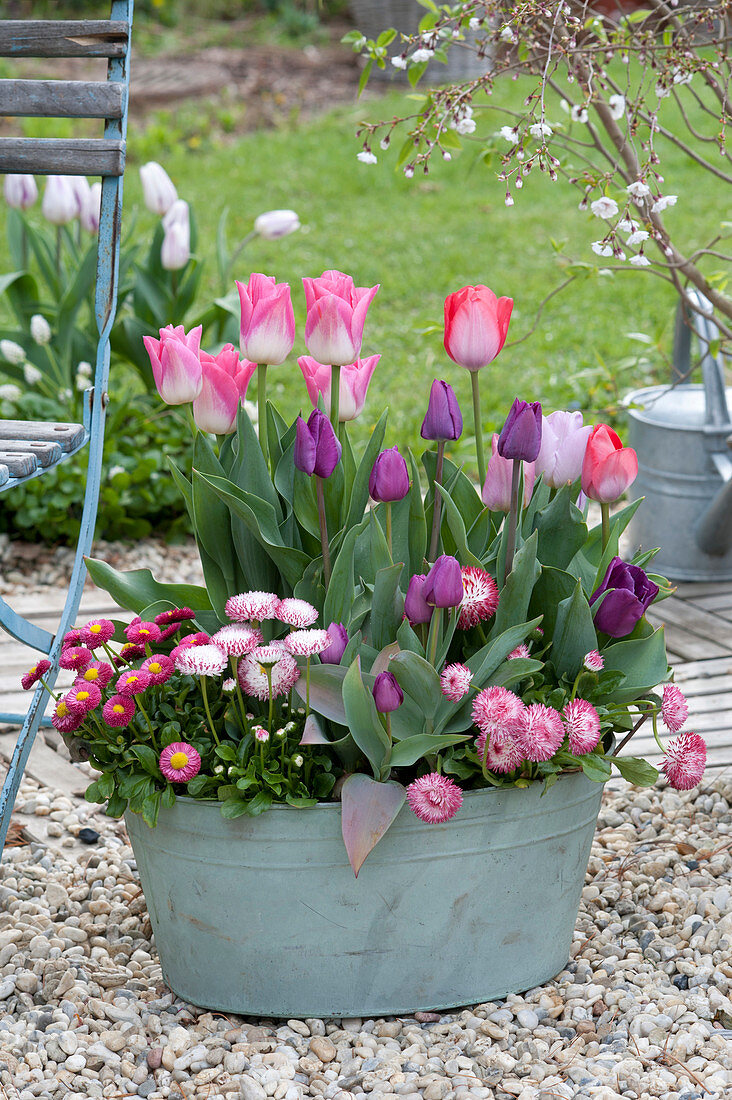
[[713, 530]]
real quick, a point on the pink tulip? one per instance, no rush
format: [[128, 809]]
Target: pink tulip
[[608, 468], [476, 326], [175, 251], [336, 316], [563, 444], [267, 320], [354, 384], [215, 408], [176, 364], [241, 370], [497, 488]]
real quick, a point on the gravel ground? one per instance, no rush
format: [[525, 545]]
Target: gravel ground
[[642, 1009]]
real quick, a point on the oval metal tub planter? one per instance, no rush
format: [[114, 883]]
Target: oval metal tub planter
[[263, 916]]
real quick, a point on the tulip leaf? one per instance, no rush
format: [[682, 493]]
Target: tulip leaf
[[137, 588], [326, 691], [515, 670], [371, 551], [574, 634], [562, 530], [513, 605], [457, 529], [418, 679], [363, 721], [369, 808], [249, 471], [411, 749], [459, 486], [340, 594], [213, 533], [360, 489], [408, 640], [387, 606], [408, 526], [553, 586], [643, 662], [312, 733]]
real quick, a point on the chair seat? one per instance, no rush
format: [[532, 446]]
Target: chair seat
[[27, 447]]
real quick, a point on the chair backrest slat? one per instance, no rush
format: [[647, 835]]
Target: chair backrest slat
[[61, 99], [67, 38], [63, 156]]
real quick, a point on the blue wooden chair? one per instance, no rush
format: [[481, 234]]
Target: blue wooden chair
[[28, 448]]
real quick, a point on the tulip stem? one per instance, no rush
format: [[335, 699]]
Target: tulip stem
[[513, 515], [262, 409], [437, 502], [58, 251], [434, 635], [335, 399], [388, 528], [605, 509], [479, 453], [323, 528]]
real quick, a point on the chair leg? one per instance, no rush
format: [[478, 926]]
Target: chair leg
[[20, 759]]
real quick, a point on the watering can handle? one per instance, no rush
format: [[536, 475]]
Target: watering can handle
[[687, 318]]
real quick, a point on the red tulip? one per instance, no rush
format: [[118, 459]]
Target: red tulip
[[609, 467], [336, 316], [476, 326]]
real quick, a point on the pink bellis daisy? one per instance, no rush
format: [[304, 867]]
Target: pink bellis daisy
[[674, 708], [179, 762], [65, 720], [82, 698], [130, 651], [306, 643], [132, 682], [201, 660], [520, 651], [159, 668], [496, 709], [455, 682], [97, 632], [174, 615], [434, 798], [118, 710], [33, 675], [236, 639], [685, 760], [72, 637], [594, 661], [539, 732], [265, 663], [583, 726], [252, 606], [296, 612], [480, 597], [502, 754], [142, 633], [260, 733], [98, 672], [75, 657]]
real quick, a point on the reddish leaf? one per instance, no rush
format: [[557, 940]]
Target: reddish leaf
[[312, 734], [368, 810]]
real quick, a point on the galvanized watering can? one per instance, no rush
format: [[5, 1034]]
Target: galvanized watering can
[[683, 437]]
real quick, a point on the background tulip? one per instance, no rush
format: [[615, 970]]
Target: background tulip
[[158, 190], [563, 444], [520, 437], [389, 478], [20, 191], [59, 205], [91, 212], [276, 223], [608, 468], [496, 492], [175, 251], [354, 384], [336, 313], [629, 594], [388, 696], [176, 364], [443, 420]]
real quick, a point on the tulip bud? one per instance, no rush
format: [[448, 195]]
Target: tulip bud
[[388, 696], [416, 607], [444, 420], [158, 191], [389, 478], [317, 449], [175, 251], [276, 223], [521, 434], [339, 640], [444, 584], [59, 205], [20, 191]]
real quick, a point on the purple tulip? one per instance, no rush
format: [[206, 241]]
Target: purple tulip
[[629, 594], [444, 584], [444, 420], [521, 434], [388, 695], [389, 479], [339, 640], [416, 607], [317, 450]]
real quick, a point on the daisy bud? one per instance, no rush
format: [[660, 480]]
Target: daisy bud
[[593, 661]]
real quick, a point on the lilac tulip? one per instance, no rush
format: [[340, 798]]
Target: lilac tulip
[[158, 190], [443, 421], [388, 696], [444, 584], [520, 436], [20, 191], [175, 251], [336, 313], [317, 448], [339, 640], [176, 363], [274, 224], [563, 444], [389, 478], [629, 594], [59, 205], [267, 320], [91, 211], [416, 607], [496, 492], [354, 384]]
